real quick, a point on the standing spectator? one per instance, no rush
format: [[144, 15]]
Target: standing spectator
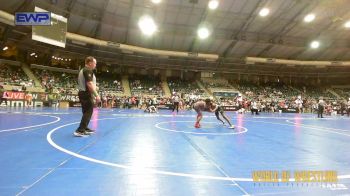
[[342, 107], [176, 100], [321, 105], [254, 108]]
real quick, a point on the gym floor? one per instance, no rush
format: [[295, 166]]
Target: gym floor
[[136, 153]]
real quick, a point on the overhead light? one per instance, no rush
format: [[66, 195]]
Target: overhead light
[[32, 54], [69, 59], [156, 1], [347, 24], [147, 25], [203, 33], [309, 18], [264, 12], [53, 57], [5, 48], [213, 4], [36, 56], [315, 44]]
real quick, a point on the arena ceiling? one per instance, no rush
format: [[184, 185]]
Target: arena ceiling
[[237, 29]]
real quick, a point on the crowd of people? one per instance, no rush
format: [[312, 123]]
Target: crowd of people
[[146, 85], [185, 87], [242, 104], [274, 96], [143, 102], [13, 75], [146, 91], [56, 80], [211, 83]]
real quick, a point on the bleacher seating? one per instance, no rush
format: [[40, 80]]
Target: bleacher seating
[[184, 87], [109, 83], [270, 90], [216, 83], [343, 92], [145, 85], [58, 80], [315, 92], [268, 95], [14, 75]]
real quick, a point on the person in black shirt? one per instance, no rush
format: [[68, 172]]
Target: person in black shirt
[[87, 93], [342, 107], [321, 105]]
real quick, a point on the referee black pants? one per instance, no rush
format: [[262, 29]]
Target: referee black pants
[[87, 106]]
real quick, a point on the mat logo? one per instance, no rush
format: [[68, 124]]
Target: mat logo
[[307, 176], [33, 18]]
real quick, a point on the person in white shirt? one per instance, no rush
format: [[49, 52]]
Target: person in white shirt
[[239, 101], [254, 108], [176, 100], [299, 103]]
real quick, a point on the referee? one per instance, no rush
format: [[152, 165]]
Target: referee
[[176, 100], [87, 92]]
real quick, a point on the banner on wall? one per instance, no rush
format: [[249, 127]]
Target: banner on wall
[[14, 95], [70, 98], [40, 96]]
